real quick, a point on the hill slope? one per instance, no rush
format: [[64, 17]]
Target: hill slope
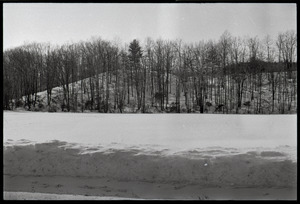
[[83, 97]]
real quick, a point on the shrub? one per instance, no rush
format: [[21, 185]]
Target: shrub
[[36, 109], [209, 104], [173, 108], [41, 106], [52, 109], [63, 107], [88, 104], [184, 110], [19, 103], [247, 103]]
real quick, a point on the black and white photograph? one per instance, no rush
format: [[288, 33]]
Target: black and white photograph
[[149, 101]]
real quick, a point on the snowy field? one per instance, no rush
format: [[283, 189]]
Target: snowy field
[[172, 130], [222, 152]]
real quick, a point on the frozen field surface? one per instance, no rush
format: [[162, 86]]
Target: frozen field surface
[[205, 151], [172, 130]]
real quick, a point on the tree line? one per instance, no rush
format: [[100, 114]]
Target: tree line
[[226, 75]]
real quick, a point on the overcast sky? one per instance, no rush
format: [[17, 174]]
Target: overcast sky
[[59, 23]]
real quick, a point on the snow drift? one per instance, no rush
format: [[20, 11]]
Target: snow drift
[[210, 150], [50, 196], [208, 167]]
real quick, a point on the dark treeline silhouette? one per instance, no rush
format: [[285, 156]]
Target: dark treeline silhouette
[[230, 75]]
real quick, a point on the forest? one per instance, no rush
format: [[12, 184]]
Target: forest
[[231, 75]]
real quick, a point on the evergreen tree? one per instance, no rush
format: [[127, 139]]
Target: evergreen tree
[[135, 55]]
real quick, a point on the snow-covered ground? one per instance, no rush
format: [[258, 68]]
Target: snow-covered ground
[[172, 130], [207, 150]]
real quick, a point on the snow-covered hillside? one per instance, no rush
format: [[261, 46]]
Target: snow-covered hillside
[[81, 91]]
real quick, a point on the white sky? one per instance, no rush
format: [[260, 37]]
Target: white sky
[[59, 23]]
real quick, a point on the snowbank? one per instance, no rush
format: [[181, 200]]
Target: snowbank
[[208, 167], [210, 150], [50, 196]]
